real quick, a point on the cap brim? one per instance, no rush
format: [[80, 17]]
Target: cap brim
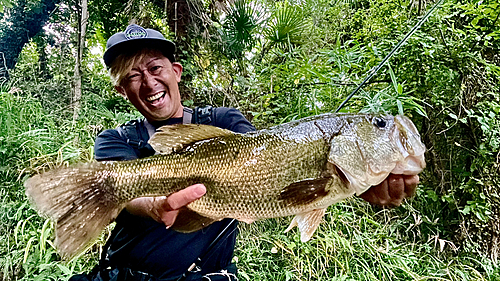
[[165, 46]]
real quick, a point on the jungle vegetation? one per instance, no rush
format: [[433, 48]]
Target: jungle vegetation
[[275, 61]]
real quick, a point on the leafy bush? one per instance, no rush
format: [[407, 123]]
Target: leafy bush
[[38, 137]]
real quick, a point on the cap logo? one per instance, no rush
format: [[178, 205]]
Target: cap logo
[[135, 32]]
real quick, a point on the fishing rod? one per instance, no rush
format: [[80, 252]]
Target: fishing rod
[[196, 266], [391, 53]]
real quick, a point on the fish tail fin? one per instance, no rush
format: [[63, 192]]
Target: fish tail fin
[[79, 199]]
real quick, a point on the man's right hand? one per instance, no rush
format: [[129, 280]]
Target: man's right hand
[[164, 209]]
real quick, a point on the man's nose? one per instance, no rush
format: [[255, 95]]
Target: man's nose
[[148, 80]]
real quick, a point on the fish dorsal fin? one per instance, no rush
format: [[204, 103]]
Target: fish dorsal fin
[[307, 222], [170, 138]]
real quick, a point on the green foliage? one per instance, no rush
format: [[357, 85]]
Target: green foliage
[[278, 61], [464, 65], [286, 25], [392, 100], [38, 134], [32, 139], [5, 4], [239, 28], [300, 85]]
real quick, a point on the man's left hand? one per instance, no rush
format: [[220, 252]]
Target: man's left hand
[[392, 191]]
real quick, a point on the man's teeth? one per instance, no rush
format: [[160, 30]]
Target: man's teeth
[[155, 97]]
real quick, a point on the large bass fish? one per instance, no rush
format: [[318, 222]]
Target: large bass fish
[[298, 168]]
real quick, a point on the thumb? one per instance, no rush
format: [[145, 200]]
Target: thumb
[[185, 196]]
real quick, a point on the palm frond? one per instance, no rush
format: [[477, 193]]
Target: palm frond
[[287, 25], [241, 23]]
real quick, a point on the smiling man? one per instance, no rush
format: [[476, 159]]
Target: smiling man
[[142, 247], [151, 85]]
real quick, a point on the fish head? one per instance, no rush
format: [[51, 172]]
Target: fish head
[[368, 148]]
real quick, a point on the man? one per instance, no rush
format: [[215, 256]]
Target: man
[[143, 69]]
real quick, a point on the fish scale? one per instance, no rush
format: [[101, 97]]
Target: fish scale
[[298, 168], [222, 199]]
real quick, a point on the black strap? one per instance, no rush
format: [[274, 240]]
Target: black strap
[[131, 129], [204, 115]]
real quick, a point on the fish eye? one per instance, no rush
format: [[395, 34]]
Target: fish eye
[[379, 122]]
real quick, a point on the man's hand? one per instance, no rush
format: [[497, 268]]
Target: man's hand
[[165, 209], [392, 190]]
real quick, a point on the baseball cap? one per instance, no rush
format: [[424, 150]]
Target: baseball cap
[[136, 37]]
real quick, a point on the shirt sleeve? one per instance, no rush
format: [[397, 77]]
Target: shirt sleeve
[[232, 119], [111, 146]]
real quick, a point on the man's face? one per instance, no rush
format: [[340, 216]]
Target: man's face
[[152, 87]]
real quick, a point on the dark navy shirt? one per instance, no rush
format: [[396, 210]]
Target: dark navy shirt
[[145, 245]]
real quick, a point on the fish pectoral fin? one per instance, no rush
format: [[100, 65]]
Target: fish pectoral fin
[[190, 221], [307, 223], [305, 191], [171, 138]]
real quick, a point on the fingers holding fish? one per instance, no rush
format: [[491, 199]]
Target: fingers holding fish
[[395, 189], [185, 196], [411, 183], [377, 195], [392, 191], [165, 209]]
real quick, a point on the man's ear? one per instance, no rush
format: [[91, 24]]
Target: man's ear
[[121, 90], [177, 68]]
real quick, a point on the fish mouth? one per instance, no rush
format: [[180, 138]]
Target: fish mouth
[[407, 140], [410, 166], [408, 158]]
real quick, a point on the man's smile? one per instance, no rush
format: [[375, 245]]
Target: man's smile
[[156, 97], [152, 87]]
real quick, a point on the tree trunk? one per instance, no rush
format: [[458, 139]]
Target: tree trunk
[[41, 44], [178, 17], [80, 45], [181, 16]]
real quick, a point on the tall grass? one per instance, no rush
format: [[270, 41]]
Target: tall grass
[[33, 139], [356, 242]]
